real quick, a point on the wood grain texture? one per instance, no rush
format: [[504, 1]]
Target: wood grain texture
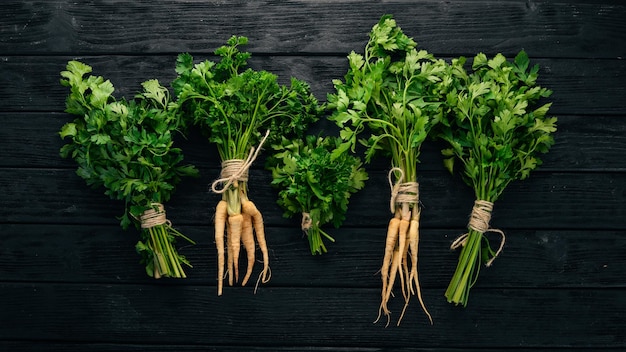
[[70, 279], [106, 254], [71, 347], [63, 347], [544, 28], [315, 316]]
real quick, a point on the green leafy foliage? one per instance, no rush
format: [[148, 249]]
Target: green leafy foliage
[[314, 184], [124, 146], [394, 91], [235, 106], [496, 131]]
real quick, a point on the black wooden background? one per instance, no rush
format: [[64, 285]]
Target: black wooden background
[[70, 278]]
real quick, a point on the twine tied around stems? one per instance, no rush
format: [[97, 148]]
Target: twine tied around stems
[[153, 217], [235, 170], [307, 222], [479, 221], [402, 192]]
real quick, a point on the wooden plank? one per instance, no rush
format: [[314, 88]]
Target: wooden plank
[[166, 314], [544, 201], [544, 28], [20, 346], [31, 83], [587, 143], [582, 143], [25, 146], [106, 254]]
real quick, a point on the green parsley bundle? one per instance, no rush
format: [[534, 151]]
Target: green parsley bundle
[[127, 147], [496, 131], [316, 185], [240, 109], [394, 92]]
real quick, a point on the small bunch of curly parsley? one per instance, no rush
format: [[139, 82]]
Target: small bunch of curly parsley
[[315, 184], [127, 147]]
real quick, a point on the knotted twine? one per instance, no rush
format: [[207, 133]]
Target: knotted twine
[[479, 221], [235, 170], [402, 192], [154, 217], [307, 222]]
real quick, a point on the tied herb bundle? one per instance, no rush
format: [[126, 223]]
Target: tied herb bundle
[[127, 147], [235, 107], [395, 92], [495, 130], [315, 185]]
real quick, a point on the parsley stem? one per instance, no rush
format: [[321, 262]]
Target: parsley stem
[[158, 252], [466, 270], [170, 252]]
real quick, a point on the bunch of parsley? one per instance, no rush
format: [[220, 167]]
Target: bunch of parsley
[[127, 147], [238, 108], [395, 92], [495, 130], [315, 185]]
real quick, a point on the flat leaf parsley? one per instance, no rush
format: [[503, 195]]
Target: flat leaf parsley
[[495, 131], [127, 147]]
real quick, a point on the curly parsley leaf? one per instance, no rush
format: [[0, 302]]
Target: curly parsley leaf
[[315, 184]]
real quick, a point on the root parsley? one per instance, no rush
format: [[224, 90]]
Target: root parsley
[[235, 106], [395, 92]]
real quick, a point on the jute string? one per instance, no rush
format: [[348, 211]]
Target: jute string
[[479, 221], [151, 217], [307, 222], [235, 170], [402, 192]]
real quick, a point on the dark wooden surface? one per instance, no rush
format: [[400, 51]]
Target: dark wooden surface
[[69, 276]]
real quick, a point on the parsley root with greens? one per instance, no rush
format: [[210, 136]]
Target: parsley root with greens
[[127, 147], [394, 92], [495, 131], [235, 107], [315, 185]]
